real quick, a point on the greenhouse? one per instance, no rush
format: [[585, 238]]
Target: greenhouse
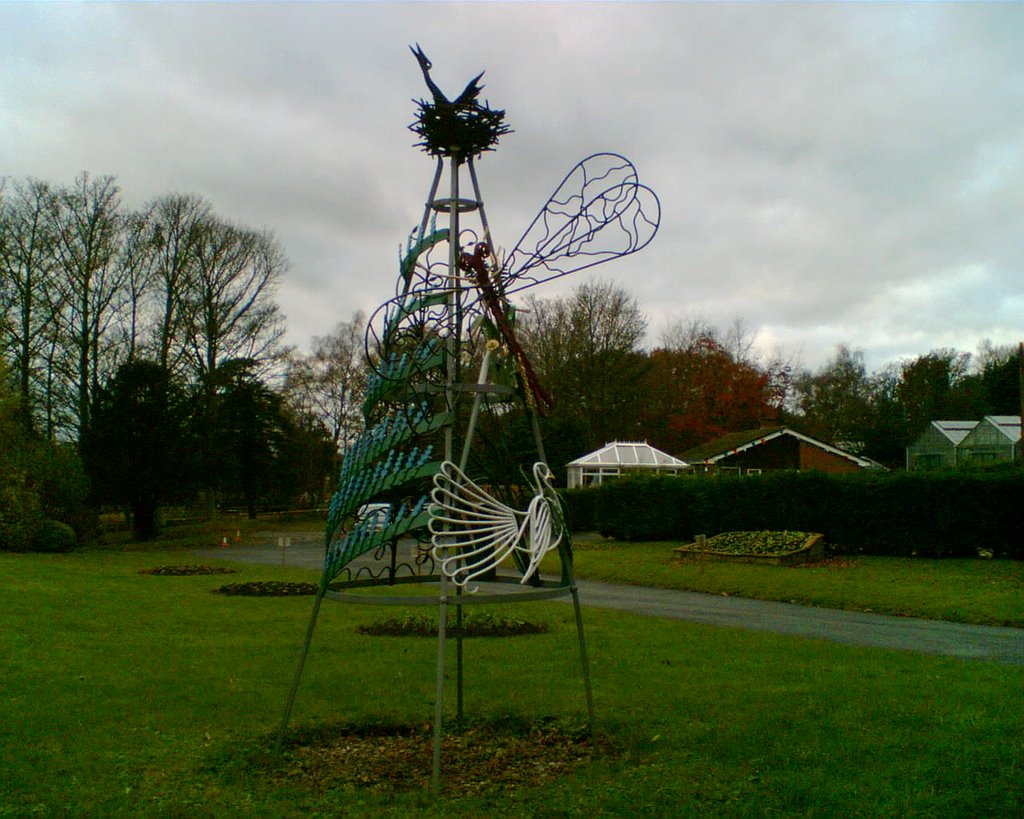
[[618, 458], [994, 439]]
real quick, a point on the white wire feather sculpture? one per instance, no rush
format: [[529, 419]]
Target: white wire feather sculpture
[[473, 532]]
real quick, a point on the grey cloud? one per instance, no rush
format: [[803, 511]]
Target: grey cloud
[[828, 172]]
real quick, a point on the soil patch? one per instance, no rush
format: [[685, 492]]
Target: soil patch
[[484, 759], [185, 570], [828, 563], [269, 588]]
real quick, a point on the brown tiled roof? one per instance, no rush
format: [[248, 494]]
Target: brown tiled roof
[[752, 437], [727, 442]]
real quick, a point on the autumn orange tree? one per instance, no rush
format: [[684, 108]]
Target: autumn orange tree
[[700, 390]]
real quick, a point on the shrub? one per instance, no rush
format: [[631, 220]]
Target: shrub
[[20, 504], [39, 481], [20, 515], [54, 536]]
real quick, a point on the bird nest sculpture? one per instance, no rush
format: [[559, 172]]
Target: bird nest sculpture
[[459, 128]]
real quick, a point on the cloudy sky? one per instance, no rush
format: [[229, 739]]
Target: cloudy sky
[[828, 173]]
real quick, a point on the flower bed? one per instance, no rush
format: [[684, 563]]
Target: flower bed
[[475, 624], [772, 548], [269, 588], [186, 570]]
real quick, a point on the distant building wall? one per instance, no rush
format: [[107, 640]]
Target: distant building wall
[[818, 459]]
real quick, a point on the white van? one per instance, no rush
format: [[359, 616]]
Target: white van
[[377, 513]]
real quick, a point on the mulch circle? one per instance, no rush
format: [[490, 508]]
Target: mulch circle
[[185, 570], [477, 760], [477, 624], [269, 588]]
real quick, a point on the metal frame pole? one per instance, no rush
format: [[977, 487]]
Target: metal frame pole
[[442, 616], [451, 373]]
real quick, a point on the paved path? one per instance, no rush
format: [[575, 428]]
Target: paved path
[[992, 643], [1004, 645]]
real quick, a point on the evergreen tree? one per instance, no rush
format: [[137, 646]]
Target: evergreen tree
[[138, 450]]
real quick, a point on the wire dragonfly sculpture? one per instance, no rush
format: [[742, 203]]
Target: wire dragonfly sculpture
[[453, 291], [599, 212]]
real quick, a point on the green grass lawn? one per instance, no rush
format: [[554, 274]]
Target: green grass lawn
[[989, 592], [141, 695]]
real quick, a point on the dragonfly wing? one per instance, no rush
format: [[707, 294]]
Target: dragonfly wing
[[599, 212]]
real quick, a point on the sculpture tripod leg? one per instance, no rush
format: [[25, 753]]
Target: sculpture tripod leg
[[574, 590], [584, 661], [298, 671]]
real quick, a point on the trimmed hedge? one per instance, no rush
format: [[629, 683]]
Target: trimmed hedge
[[948, 514]]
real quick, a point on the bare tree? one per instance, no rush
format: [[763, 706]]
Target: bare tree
[[738, 341], [86, 286], [231, 311], [86, 221], [586, 349], [27, 264], [329, 384], [135, 259], [684, 333], [176, 226], [695, 335]]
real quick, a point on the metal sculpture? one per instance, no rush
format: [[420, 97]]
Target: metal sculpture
[[474, 533], [459, 129], [451, 304]]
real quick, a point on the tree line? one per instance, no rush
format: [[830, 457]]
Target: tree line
[[698, 382], [89, 285], [149, 343], [146, 347]]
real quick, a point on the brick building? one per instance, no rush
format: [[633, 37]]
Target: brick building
[[772, 448]]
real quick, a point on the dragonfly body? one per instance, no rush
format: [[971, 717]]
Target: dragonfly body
[[477, 265]]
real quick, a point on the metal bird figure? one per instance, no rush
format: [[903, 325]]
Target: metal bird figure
[[473, 532], [466, 98]]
